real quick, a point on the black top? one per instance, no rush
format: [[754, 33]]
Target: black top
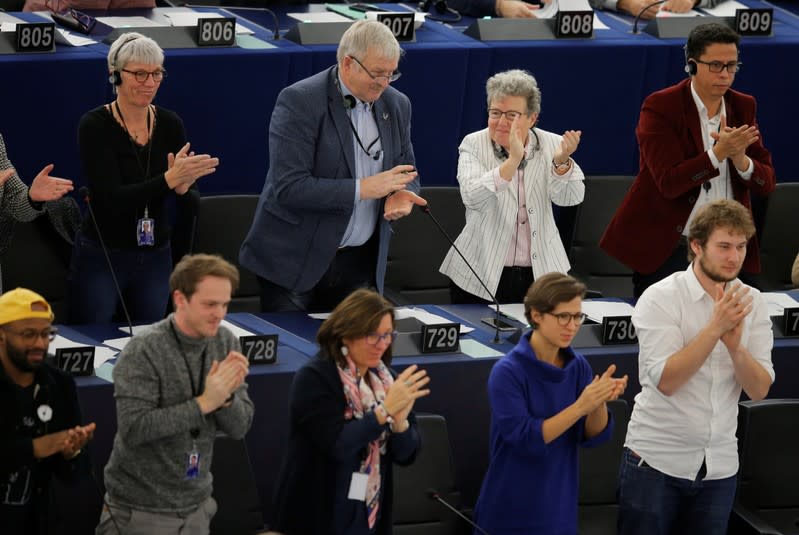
[[116, 170], [323, 451], [19, 425]]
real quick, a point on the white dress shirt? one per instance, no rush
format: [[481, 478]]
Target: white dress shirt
[[673, 434], [492, 212]]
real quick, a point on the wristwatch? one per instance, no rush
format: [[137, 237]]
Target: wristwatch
[[559, 166], [382, 410]]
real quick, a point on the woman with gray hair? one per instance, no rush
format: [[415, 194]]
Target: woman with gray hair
[[135, 155], [510, 174]]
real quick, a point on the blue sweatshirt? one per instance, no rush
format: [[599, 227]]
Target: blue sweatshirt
[[530, 486]]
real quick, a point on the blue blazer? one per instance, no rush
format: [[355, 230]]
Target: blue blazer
[[309, 193]]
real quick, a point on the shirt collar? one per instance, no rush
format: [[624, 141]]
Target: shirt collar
[[700, 106], [346, 92], [695, 289]]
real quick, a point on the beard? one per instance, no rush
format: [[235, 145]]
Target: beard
[[715, 276], [19, 358]]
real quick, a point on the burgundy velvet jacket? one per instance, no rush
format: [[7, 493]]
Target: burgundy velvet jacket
[[673, 166]]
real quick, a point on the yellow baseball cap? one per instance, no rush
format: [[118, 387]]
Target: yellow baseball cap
[[19, 305]]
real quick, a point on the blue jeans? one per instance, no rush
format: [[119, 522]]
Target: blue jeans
[[654, 503], [142, 273]]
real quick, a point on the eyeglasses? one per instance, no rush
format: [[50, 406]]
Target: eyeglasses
[[717, 66], [141, 76], [374, 338], [30, 336], [564, 318], [510, 115], [388, 78]]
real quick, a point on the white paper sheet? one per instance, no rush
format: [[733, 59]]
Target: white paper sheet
[[426, 317], [597, 310], [515, 311], [128, 22], [236, 330], [319, 16], [778, 302], [724, 9]]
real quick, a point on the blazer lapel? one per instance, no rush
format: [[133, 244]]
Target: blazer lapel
[[335, 104], [384, 119], [692, 116]]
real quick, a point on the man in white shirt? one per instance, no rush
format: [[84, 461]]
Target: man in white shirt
[[704, 336]]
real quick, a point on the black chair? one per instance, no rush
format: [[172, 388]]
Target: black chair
[[779, 241], [222, 224], [37, 258], [418, 248], [235, 492], [768, 480], [415, 512], [599, 469], [590, 264]]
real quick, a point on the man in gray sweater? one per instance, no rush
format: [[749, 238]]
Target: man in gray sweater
[[175, 385]]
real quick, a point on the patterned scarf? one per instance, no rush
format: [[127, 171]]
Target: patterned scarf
[[364, 396]]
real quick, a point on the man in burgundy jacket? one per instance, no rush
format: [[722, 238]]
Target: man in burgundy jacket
[[699, 141]]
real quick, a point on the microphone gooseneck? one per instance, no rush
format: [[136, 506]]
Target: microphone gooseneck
[[86, 196], [641, 13], [433, 495], [426, 210]]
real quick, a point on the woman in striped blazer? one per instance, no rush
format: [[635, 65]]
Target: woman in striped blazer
[[510, 173]]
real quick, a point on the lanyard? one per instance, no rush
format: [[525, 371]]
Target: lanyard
[[196, 389]]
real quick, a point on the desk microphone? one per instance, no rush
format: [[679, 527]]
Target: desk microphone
[[641, 13], [84, 193], [426, 209], [433, 495]]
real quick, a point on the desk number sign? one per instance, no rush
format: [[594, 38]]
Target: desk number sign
[[400, 24], [75, 360], [574, 24], [754, 21], [36, 37], [220, 31], [618, 330], [259, 348], [791, 317], [440, 338]]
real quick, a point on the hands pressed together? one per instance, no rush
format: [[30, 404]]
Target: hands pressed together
[[185, 167], [732, 142], [223, 379], [407, 388], [602, 389], [68, 442], [731, 308]]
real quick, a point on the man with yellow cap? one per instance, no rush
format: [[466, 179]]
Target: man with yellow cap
[[40, 431]]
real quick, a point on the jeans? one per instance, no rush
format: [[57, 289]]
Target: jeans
[[654, 503], [142, 273]]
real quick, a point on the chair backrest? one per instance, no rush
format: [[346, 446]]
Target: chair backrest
[[37, 258], [222, 224], [418, 248], [768, 434], [779, 241], [235, 491], [601, 272], [599, 469], [415, 513]]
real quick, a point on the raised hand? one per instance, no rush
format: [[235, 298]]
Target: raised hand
[[400, 204], [731, 307], [395, 179], [407, 388], [48, 188], [568, 145]]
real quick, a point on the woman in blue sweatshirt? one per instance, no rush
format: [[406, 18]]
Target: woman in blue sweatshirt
[[545, 401]]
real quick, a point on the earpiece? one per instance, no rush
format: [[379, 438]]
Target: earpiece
[[348, 101], [115, 78], [690, 67], [502, 154]]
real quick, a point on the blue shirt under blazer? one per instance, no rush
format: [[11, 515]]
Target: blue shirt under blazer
[[530, 486], [309, 193]]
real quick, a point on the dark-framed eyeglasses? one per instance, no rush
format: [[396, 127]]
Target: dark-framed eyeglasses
[[30, 336], [375, 338], [141, 76], [565, 317], [393, 77], [718, 66], [495, 114]]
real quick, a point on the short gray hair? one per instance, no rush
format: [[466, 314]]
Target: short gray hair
[[136, 48], [514, 83], [364, 34]]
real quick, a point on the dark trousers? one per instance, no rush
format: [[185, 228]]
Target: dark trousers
[[351, 268], [654, 503], [513, 285], [142, 273], [678, 261]]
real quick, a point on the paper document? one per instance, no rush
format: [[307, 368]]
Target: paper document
[[117, 343], [103, 354], [515, 311], [66, 37], [724, 9], [319, 16], [426, 317], [666, 14], [778, 302], [476, 350], [236, 330], [128, 22], [597, 310]]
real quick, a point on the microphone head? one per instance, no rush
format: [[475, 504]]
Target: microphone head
[[84, 193], [432, 494]]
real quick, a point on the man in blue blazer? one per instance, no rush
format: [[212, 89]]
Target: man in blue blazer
[[342, 167]]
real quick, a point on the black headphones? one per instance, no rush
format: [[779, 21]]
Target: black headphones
[[348, 101], [440, 6], [502, 154], [115, 78], [690, 65]]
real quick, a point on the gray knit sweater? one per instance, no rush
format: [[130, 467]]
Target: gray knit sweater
[[156, 412]]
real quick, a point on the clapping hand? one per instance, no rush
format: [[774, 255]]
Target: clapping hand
[[48, 188]]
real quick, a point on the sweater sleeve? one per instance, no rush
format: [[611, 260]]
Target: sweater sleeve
[[509, 411], [236, 419]]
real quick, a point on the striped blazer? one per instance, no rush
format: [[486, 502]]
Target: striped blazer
[[491, 216]]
